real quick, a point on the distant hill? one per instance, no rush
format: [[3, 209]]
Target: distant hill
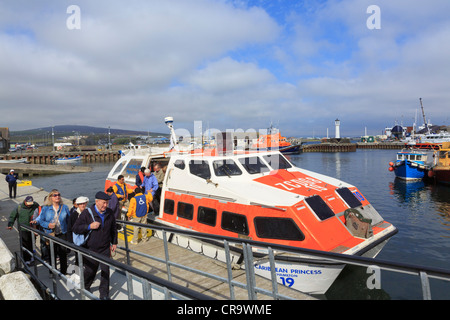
[[65, 130]]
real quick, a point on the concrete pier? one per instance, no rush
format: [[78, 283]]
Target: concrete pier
[[30, 170]]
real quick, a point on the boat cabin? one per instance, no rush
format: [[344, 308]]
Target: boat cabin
[[265, 198]]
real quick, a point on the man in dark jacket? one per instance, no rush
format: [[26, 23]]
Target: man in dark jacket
[[102, 240], [11, 178], [24, 213]]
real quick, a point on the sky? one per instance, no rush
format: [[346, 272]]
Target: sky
[[228, 64]]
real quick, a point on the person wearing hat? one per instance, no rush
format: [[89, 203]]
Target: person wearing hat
[[80, 204], [23, 214], [102, 240], [11, 178]]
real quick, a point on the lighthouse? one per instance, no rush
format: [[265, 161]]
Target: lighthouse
[[337, 123]]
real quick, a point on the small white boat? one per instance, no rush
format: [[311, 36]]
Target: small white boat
[[23, 160], [68, 159]]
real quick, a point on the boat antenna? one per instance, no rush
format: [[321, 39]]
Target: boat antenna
[[173, 137], [423, 114]]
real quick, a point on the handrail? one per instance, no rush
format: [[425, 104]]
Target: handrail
[[438, 273], [172, 289], [423, 272]]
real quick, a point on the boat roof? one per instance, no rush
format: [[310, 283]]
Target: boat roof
[[278, 183]]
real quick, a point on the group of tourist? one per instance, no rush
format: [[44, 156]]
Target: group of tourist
[[97, 222], [55, 219]]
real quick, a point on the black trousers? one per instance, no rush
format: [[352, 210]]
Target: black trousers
[[27, 242], [60, 252], [12, 189], [90, 270]]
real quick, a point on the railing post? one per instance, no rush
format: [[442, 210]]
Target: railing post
[[273, 273], [81, 271], [229, 271], [125, 236], [166, 254], [425, 286], [249, 271]]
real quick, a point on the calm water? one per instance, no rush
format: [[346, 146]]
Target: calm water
[[420, 211]]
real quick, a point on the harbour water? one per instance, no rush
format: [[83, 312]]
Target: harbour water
[[420, 211]]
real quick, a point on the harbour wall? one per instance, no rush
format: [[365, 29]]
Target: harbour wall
[[349, 147], [48, 157]]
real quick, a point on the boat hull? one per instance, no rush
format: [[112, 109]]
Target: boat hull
[[407, 171], [442, 175], [293, 149], [304, 273]]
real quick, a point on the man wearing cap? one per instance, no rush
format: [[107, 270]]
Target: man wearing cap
[[102, 240], [24, 213], [11, 178]]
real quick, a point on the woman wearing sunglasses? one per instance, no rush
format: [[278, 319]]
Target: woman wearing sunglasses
[[53, 219]]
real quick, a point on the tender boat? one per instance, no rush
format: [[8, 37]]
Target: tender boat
[[441, 171], [412, 164], [263, 197]]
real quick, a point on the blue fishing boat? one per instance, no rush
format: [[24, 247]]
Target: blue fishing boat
[[412, 164]]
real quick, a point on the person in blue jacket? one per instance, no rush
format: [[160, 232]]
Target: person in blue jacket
[[53, 220], [102, 239], [150, 182], [11, 178]]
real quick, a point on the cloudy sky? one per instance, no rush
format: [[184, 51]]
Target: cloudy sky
[[233, 64]]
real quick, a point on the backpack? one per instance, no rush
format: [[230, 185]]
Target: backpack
[[80, 239]]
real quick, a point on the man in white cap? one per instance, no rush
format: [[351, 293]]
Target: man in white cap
[[11, 178], [102, 240]]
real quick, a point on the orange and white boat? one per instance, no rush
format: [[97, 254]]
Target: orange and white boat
[[273, 140], [263, 197]]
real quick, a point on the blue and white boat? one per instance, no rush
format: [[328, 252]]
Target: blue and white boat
[[412, 164], [68, 159]]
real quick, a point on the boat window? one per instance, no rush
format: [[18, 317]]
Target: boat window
[[350, 199], [119, 168], [234, 222], [412, 157], [133, 167], [278, 228], [169, 205], [226, 168], [320, 208], [418, 157], [185, 210], [200, 168], [277, 161], [207, 216], [253, 165], [179, 164]]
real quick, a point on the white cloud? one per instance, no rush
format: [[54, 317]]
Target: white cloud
[[232, 63]]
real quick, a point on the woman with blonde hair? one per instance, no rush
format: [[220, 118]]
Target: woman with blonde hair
[[53, 220]]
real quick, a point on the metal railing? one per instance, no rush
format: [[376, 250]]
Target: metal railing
[[150, 283], [174, 291]]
